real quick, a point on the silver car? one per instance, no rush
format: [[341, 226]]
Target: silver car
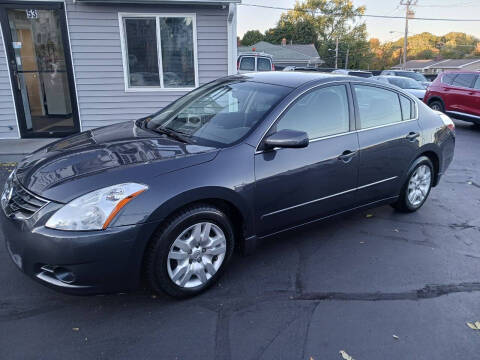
[[411, 86]]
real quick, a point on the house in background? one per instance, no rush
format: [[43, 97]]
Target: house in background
[[287, 54], [75, 65], [438, 66]]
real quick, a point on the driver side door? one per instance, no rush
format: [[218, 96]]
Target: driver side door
[[294, 186]]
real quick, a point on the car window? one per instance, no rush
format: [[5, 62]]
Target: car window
[[264, 64], [407, 108], [247, 63], [405, 83], [321, 112], [377, 106], [360, 74], [464, 80], [448, 78], [412, 75], [477, 83]]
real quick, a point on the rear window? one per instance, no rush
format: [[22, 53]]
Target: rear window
[[360, 74], [264, 64], [247, 63], [464, 80]]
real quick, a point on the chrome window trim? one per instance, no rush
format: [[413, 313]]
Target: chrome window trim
[[328, 197], [346, 82]]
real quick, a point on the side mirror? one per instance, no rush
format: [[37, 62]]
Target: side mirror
[[287, 139]]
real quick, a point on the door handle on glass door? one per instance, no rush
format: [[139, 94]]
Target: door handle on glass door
[[347, 155]]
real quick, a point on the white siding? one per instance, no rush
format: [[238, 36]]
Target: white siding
[[8, 120], [97, 60]]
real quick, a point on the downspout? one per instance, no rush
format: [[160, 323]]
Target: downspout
[[232, 38]]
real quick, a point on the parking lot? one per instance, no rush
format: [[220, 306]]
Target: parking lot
[[375, 284]]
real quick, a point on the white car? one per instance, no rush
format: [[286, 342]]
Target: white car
[[254, 61], [413, 87]]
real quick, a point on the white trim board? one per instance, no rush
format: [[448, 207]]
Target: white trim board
[[157, 16]]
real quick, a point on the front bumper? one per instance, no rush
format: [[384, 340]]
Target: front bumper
[[95, 261]]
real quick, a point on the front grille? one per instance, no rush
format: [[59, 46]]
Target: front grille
[[21, 203]]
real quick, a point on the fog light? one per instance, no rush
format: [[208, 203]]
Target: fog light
[[59, 273]]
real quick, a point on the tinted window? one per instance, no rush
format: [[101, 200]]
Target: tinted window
[[321, 112], [405, 83], [360, 74], [247, 63], [448, 78], [477, 83], [219, 114], [407, 108], [377, 106], [464, 80], [264, 64], [141, 38]]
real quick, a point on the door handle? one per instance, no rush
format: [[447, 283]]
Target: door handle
[[346, 156], [412, 136]]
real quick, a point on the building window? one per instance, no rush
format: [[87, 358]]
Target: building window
[[159, 51]]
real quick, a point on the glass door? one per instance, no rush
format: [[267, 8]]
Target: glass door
[[40, 69]]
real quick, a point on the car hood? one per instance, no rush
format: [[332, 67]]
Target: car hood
[[419, 93], [104, 150]]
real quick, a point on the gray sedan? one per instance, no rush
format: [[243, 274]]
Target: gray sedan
[[409, 85]]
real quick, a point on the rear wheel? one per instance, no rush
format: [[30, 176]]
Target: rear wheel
[[417, 187], [437, 105], [190, 252]]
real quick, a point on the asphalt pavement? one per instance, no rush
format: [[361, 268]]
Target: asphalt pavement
[[373, 285]]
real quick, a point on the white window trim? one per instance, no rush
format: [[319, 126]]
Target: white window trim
[[157, 16]]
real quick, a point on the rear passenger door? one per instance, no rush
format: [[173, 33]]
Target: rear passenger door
[[389, 137], [461, 93]]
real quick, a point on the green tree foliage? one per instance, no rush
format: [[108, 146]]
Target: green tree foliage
[[252, 37]]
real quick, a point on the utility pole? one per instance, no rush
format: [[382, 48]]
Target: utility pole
[[346, 58], [336, 54], [408, 14]]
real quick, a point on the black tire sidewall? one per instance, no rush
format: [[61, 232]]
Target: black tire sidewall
[[159, 278], [440, 104], [406, 202]]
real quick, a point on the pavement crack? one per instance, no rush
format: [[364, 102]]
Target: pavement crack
[[427, 292]]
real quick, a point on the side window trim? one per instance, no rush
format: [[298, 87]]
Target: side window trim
[[305, 92], [357, 110]]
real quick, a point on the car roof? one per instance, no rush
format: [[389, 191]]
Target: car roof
[[291, 78]]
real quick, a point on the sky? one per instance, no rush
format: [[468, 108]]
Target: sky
[[251, 18]]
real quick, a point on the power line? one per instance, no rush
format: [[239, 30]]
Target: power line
[[363, 15]]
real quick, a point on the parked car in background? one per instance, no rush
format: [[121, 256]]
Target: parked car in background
[[254, 61], [408, 84], [236, 160], [358, 73], [457, 94], [410, 74]]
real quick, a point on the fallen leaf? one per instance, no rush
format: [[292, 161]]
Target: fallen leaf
[[368, 216], [75, 329], [345, 356], [311, 358], [396, 337], [362, 242], [469, 183], [396, 230], [472, 326], [477, 324]]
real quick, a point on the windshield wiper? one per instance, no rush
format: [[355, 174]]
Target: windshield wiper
[[177, 135]]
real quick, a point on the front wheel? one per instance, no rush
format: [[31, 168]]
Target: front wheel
[[417, 187], [190, 252]]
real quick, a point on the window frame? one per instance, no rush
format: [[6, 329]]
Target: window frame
[[351, 113], [358, 125], [157, 16]]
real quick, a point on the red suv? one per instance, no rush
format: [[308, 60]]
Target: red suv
[[457, 94]]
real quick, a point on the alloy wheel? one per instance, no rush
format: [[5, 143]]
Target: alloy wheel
[[419, 185], [196, 255]]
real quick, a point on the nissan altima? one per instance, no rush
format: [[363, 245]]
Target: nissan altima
[[165, 199]]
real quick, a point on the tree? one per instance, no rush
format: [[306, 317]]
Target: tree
[[252, 37]]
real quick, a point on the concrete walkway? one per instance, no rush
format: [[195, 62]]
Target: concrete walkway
[[16, 149]]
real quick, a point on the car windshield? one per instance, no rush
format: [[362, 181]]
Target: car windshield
[[405, 83], [219, 113], [412, 75]]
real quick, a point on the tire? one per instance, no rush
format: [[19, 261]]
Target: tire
[[202, 265], [437, 105], [417, 187]]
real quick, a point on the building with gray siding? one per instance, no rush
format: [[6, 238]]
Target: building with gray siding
[[79, 64]]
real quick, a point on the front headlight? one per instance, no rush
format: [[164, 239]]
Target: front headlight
[[95, 210]]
